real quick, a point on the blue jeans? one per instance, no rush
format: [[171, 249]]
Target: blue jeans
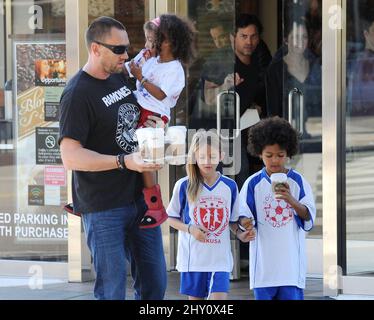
[[113, 236]]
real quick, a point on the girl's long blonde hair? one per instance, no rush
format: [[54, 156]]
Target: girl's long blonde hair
[[200, 140]]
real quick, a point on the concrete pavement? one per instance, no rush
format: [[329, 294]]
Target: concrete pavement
[[21, 289]]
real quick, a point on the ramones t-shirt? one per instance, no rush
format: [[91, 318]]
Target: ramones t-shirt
[[102, 115]]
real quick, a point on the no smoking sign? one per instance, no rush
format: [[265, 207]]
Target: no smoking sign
[[47, 149]]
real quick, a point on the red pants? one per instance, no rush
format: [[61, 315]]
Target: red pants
[[144, 113]]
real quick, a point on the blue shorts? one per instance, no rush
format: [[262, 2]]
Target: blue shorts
[[202, 284], [279, 293]]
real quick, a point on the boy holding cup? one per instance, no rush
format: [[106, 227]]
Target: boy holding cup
[[282, 205]]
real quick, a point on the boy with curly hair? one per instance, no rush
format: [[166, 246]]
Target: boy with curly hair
[[282, 217]]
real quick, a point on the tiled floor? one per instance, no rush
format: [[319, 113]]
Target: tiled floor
[[84, 291]]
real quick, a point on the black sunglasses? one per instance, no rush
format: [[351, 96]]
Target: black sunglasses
[[115, 49]]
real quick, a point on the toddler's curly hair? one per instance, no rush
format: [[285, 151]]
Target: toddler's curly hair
[[181, 33]]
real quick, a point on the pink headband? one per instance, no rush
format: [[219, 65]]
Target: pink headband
[[156, 21]]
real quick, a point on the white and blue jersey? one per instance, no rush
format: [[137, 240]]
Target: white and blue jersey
[[214, 209], [277, 255]]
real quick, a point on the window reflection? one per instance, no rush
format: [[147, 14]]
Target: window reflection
[[361, 65]]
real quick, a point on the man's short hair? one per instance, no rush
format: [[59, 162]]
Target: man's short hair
[[244, 20], [100, 28]]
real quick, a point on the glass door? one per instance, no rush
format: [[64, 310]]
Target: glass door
[[294, 91], [209, 100], [359, 146], [291, 70], [210, 95]]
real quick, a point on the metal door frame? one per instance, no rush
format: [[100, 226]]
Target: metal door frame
[[363, 284], [166, 177], [331, 146]]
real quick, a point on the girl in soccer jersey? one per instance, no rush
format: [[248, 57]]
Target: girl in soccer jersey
[[160, 81], [204, 206], [282, 218]]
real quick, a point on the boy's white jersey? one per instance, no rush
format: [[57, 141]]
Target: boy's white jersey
[[168, 76], [214, 209], [277, 255]]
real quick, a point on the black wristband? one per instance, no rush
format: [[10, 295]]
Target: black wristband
[[121, 162]]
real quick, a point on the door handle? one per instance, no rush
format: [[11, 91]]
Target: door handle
[[301, 104], [237, 113]]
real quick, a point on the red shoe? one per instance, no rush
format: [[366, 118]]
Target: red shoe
[[69, 209], [156, 213]]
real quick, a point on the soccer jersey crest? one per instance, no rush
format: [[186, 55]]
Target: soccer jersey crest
[[278, 213], [212, 214]]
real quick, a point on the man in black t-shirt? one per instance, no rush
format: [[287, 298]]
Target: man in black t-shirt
[[98, 119]]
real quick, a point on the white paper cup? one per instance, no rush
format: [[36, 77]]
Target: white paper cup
[[175, 145], [151, 144], [277, 179]]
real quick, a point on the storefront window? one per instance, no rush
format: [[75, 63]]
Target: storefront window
[[33, 65], [33, 185]]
